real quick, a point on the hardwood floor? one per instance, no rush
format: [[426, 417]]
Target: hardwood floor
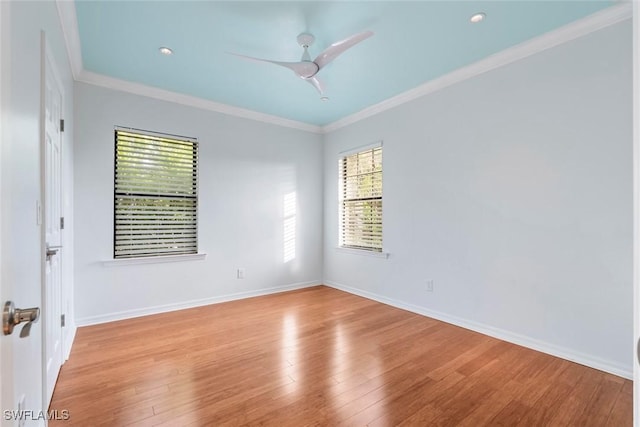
[[319, 356]]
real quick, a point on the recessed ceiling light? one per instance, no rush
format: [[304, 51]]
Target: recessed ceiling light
[[324, 98], [165, 50], [477, 17]]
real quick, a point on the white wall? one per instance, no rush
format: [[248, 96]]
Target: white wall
[[246, 169], [22, 249], [513, 191]]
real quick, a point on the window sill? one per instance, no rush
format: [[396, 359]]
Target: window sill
[[153, 260], [363, 252]]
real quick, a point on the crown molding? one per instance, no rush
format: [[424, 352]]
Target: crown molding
[[190, 101], [564, 34]]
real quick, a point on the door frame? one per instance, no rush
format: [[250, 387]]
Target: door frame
[[636, 214], [48, 66], [3, 368]]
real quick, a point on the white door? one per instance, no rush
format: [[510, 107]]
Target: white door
[[21, 248], [53, 239]]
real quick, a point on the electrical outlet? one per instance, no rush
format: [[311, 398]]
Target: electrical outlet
[[430, 285], [240, 273]]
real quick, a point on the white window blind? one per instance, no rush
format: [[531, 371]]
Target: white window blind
[[155, 197], [361, 200]]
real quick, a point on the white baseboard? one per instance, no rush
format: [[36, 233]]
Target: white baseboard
[[70, 336], [544, 347], [128, 314]]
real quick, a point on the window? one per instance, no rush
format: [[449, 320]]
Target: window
[[361, 200], [155, 197]]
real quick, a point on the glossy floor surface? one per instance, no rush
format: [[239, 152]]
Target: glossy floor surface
[[322, 357]]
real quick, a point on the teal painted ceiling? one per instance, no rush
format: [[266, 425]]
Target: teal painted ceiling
[[414, 42]]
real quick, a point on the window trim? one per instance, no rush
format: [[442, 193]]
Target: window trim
[[350, 151], [380, 253], [116, 262], [363, 252], [161, 257]]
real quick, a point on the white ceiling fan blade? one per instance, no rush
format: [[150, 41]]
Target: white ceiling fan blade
[[313, 81], [302, 69], [330, 53]]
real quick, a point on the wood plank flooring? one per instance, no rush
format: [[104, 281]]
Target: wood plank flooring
[[322, 357]]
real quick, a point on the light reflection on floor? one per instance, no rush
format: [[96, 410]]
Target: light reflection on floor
[[289, 351]]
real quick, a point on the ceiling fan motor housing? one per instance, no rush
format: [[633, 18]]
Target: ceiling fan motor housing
[[307, 69]]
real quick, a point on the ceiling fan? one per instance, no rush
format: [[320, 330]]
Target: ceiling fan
[[307, 69]]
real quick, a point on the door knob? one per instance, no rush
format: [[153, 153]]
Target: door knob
[[12, 316]]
